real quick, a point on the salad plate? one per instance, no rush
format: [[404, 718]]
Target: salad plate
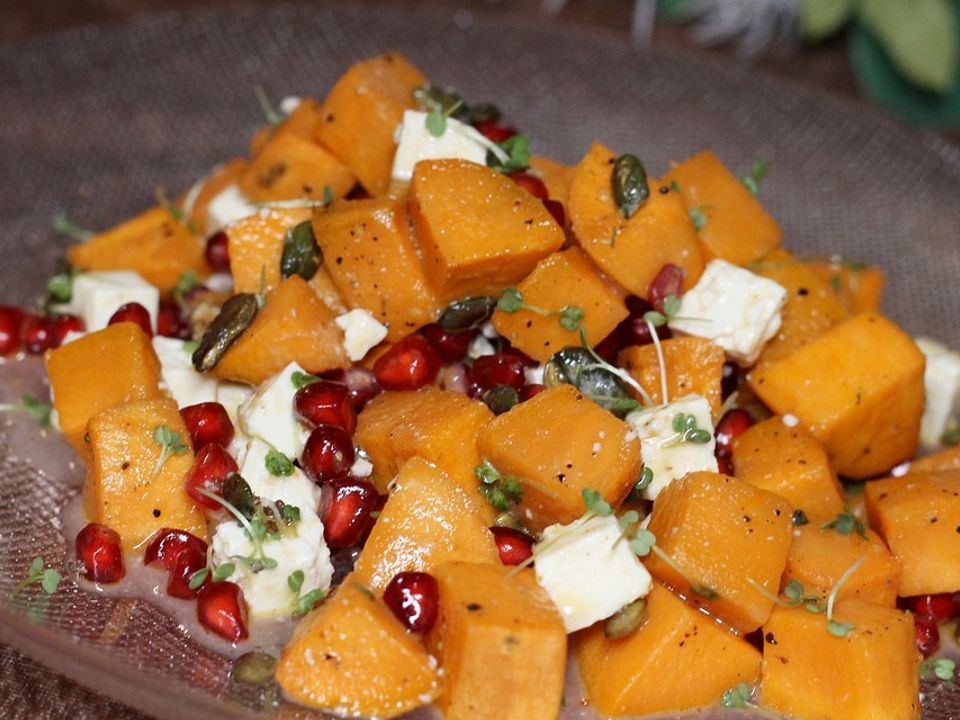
[[99, 118]]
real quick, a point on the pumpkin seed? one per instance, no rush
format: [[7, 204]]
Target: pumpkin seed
[[576, 366], [626, 620], [301, 254], [234, 318], [254, 668], [500, 398], [237, 491], [630, 188], [468, 313]]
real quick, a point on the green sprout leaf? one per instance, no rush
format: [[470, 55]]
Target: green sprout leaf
[[698, 217], [290, 514], [501, 491], [60, 286], [756, 176], [845, 523], [37, 409], [170, 444], [939, 668], [63, 225], [839, 629], [737, 697], [278, 464], [198, 578], [223, 571], [295, 581], [595, 503], [269, 112], [185, 283], [38, 574], [301, 380], [642, 542], [307, 602], [517, 149], [511, 301], [436, 123]]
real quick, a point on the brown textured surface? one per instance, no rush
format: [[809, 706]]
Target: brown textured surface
[[95, 119]]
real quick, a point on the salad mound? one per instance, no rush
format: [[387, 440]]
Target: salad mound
[[469, 416]]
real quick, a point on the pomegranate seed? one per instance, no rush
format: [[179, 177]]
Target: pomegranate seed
[[529, 391], [514, 546], [65, 324], [927, 635], [408, 365], [940, 608], [668, 282], [11, 328], [414, 597], [210, 468], [733, 424], [633, 330], [170, 322], [326, 403], [500, 369], [101, 553], [135, 313], [188, 561], [374, 516], [729, 380], [495, 131], [328, 454], [361, 382], [221, 610], [451, 344], [531, 183], [507, 349], [39, 334], [348, 515], [167, 543], [725, 465], [555, 208], [217, 252], [208, 423]]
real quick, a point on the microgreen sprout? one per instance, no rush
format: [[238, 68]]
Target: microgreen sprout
[[278, 464], [185, 283], [170, 444], [436, 121], [365, 591], [595, 503], [939, 668], [756, 176], [38, 573], [175, 211], [613, 236], [685, 427], [737, 697], [290, 514], [37, 409], [60, 286], [836, 627], [517, 152], [254, 528], [698, 217], [845, 523], [269, 112], [671, 306], [63, 225], [501, 491], [301, 380], [221, 573], [511, 301]]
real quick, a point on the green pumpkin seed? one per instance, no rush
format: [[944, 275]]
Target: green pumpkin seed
[[236, 491], [576, 366], [630, 188], [626, 620], [301, 254], [234, 318], [500, 398], [254, 668], [468, 313]]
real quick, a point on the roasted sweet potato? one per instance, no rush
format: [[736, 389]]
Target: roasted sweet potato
[[694, 366], [256, 246], [289, 167], [216, 182]]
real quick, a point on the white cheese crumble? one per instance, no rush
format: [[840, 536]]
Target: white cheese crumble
[[269, 414], [96, 296], [361, 332], [941, 384], [479, 347], [588, 570], [791, 421], [228, 206], [663, 451], [185, 384], [733, 307]]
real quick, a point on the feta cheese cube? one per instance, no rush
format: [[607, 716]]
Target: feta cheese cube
[[416, 143], [232, 395], [185, 384], [227, 206], [941, 383], [97, 295], [733, 307], [663, 451], [588, 570], [361, 332], [295, 489], [479, 347], [269, 415]]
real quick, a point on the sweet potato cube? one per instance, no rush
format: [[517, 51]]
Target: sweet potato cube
[[727, 537], [626, 676], [293, 326], [427, 520], [858, 388], [479, 230], [694, 366], [371, 258], [632, 251], [564, 279], [948, 459], [857, 286], [289, 167], [437, 425], [362, 112], [737, 228], [153, 244], [256, 246], [303, 122], [556, 176], [125, 490], [501, 643], [219, 179], [104, 368], [557, 444], [810, 674], [351, 656], [790, 462], [919, 517]]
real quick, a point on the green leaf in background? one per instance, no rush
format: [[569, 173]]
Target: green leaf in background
[[821, 18], [920, 36]]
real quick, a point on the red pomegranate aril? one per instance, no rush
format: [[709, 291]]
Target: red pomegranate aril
[[38, 334], [217, 252], [11, 329], [188, 562], [451, 344], [208, 423], [65, 324], [940, 608], [210, 468], [531, 390], [170, 322], [495, 131], [556, 209], [100, 552], [725, 465], [414, 598], [347, 517], [500, 369], [531, 183], [167, 544], [513, 545], [326, 403], [927, 635], [328, 454], [135, 313], [733, 424], [667, 282], [408, 365], [222, 610], [374, 516]]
